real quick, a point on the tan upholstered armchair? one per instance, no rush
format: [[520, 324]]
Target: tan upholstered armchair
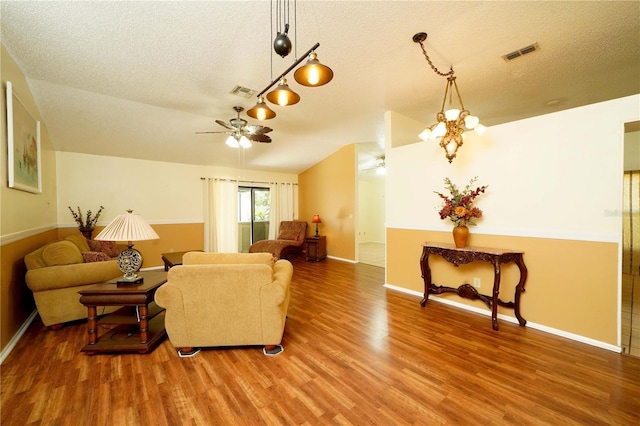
[[290, 240], [226, 299]]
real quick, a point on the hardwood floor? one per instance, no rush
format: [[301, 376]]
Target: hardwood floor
[[355, 353]]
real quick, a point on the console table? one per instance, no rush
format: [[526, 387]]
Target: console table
[[459, 256]]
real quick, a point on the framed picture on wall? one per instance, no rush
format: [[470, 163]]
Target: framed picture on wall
[[23, 138]]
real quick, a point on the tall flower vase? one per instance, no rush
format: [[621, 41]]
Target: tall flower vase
[[87, 232], [460, 235]]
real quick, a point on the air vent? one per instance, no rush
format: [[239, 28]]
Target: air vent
[[243, 92], [520, 52]]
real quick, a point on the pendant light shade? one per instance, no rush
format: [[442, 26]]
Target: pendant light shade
[[283, 95], [261, 111], [313, 73]]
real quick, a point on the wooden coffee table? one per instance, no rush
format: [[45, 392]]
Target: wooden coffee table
[[136, 327]]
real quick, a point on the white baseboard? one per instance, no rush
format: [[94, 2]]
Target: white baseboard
[[14, 340], [541, 327], [341, 259]]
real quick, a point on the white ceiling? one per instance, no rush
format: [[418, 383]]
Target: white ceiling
[[138, 79]]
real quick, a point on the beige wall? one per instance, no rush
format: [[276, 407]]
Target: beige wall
[[329, 189], [554, 190], [27, 220]]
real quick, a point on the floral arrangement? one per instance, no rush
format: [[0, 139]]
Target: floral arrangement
[[91, 220], [459, 205]]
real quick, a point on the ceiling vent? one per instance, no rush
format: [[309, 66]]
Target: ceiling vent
[[520, 52], [243, 92]]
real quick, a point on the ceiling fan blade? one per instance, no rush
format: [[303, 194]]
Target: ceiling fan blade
[[225, 125], [226, 133], [259, 138], [257, 129]]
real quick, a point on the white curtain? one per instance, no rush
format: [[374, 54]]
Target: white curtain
[[220, 215], [284, 205]]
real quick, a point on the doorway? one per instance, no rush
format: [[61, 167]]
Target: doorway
[[254, 206], [370, 232], [630, 330]]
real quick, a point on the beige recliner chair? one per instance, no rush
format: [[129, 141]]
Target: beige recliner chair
[[226, 299]]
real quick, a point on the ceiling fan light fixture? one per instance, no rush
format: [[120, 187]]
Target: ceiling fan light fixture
[[244, 142], [232, 142], [261, 111], [283, 95], [313, 73]]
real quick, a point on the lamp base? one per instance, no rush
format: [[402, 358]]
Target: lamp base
[[125, 281]]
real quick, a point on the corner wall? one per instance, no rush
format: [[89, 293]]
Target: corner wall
[[329, 189]]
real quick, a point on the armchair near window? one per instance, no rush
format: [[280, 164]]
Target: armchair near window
[[226, 299], [290, 240]]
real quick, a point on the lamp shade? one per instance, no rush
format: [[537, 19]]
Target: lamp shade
[[313, 73], [127, 227], [283, 95], [316, 219], [261, 111]]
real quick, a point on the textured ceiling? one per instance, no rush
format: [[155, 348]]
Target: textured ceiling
[[138, 79]]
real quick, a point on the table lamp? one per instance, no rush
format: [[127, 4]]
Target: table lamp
[[128, 227], [316, 219]]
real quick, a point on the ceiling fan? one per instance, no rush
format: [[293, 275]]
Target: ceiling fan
[[240, 133], [379, 166]]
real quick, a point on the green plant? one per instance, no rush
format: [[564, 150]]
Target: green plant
[[90, 222], [458, 206]]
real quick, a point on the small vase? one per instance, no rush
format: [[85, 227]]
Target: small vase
[[87, 232], [460, 235]]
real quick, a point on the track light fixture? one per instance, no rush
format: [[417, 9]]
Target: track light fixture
[[312, 74], [283, 95], [450, 123], [261, 111]]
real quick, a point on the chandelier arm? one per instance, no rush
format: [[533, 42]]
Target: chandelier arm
[[458, 93], [295, 64], [444, 100]]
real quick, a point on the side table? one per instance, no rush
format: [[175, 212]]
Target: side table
[[315, 248], [136, 327]]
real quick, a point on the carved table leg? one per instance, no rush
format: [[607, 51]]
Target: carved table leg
[[426, 275], [520, 290], [496, 294]]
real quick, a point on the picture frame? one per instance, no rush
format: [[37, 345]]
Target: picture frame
[[24, 162]]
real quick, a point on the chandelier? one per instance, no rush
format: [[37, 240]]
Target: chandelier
[[311, 74], [450, 122]]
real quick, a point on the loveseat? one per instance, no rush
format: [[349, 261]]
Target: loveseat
[[226, 299], [290, 240], [58, 270]]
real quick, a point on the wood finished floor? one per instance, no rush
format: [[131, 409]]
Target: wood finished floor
[[355, 353]]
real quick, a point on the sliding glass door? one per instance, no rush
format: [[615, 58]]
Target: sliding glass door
[[254, 205]]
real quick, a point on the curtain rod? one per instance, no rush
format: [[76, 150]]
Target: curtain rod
[[247, 181]]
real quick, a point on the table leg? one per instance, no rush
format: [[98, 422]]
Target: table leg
[[496, 294], [426, 275], [144, 323], [92, 324], [520, 290]]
